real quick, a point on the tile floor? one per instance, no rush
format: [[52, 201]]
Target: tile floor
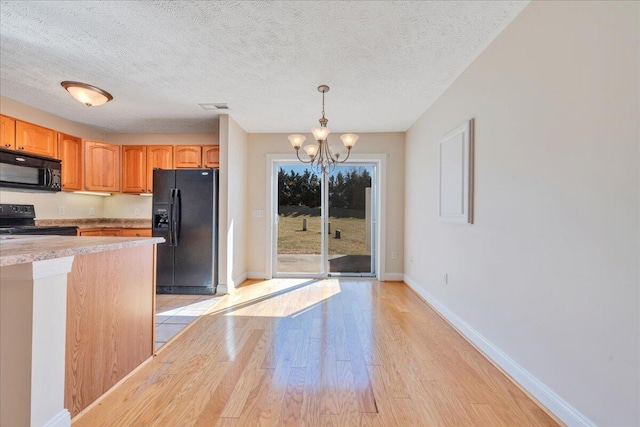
[[175, 312]]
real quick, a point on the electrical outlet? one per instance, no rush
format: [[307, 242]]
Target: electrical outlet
[[394, 255], [92, 211], [445, 278], [136, 212], [411, 259], [60, 210], [257, 213]]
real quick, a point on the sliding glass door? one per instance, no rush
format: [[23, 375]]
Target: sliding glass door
[[350, 220], [299, 221], [324, 225]]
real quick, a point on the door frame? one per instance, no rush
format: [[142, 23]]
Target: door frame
[[380, 211]]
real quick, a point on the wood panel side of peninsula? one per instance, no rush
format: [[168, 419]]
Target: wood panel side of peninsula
[[110, 321]]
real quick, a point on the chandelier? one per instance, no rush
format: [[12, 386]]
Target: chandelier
[[321, 158]]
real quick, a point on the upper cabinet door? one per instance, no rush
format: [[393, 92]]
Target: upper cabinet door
[[158, 157], [7, 132], [187, 156], [211, 156], [101, 166], [70, 149], [36, 139], [134, 169]]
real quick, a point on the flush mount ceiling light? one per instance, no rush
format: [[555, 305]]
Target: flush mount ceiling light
[[87, 94], [321, 158]]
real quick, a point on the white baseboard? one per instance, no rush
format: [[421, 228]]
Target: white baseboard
[[256, 275], [237, 281], [547, 397], [393, 277], [61, 419], [222, 289]]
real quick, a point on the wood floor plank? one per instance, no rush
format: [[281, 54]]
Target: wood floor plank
[[190, 400], [227, 422], [253, 410], [213, 408], [509, 391], [444, 407], [310, 414], [306, 352], [247, 380], [292, 403], [362, 382]]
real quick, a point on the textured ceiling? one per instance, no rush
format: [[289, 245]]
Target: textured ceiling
[[385, 62]]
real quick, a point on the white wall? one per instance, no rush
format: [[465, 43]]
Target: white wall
[[549, 271], [390, 145], [232, 204], [162, 138]]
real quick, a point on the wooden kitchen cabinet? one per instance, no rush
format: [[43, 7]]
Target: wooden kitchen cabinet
[[135, 232], [138, 162], [35, 139], [101, 166], [112, 232], [160, 157], [89, 232], [70, 150], [134, 169], [187, 156], [211, 156], [7, 132]]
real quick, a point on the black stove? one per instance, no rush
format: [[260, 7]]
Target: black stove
[[19, 219]]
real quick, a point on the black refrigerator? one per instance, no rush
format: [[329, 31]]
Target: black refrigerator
[[185, 213]]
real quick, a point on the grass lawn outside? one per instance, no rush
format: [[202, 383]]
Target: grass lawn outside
[[292, 240]]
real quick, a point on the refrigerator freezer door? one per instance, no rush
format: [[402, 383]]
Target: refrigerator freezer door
[[164, 252], [195, 252], [163, 182]]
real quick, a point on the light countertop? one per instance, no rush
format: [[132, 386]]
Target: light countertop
[[98, 222], [24, 249]]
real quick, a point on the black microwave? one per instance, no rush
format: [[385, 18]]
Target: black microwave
[[29, 172]]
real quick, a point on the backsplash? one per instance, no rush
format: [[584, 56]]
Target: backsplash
[[127, 206], [57, 205], [64, 205]]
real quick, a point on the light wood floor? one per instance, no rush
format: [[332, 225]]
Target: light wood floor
[[318, 353]]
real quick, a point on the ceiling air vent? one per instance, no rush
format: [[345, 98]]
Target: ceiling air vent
[[220, 106]]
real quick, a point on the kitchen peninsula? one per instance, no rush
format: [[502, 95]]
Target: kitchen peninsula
[[76, 316]]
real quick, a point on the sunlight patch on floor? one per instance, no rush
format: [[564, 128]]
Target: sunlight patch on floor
[[286, 297]]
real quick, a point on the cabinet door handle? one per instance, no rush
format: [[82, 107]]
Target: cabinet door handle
[[7, 145], [20, 148]]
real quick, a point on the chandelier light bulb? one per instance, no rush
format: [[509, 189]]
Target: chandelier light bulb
[[320, 133], [297, 140], [349, 139], [311, 150]]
